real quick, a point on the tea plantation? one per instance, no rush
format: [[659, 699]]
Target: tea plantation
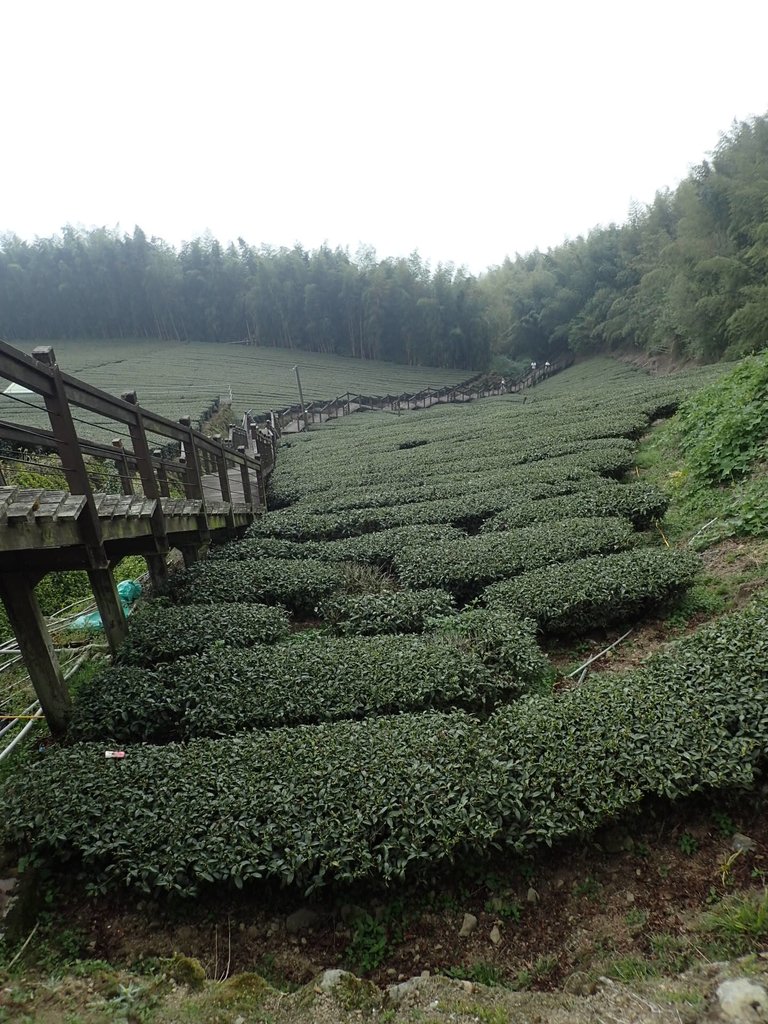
[[359, 689]]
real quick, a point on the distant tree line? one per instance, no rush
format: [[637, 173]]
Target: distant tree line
[[686, 275], [100, 284]]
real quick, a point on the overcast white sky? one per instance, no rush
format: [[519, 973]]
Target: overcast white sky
[[466, 130]]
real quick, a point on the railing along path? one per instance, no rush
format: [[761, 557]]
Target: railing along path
[[208, 492]]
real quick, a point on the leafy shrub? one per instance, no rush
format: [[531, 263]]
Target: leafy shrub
[[387, 796], [311, 679], [576, 596], [467, 565], [396, 611], [640, 503], [298, 584], [157, 632], [377, 548], [724, 428], [500, 638]]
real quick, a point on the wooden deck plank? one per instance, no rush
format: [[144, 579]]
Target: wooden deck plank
[[24, 503], [148, 507], [108, 505], [121, 509], [71, 507]]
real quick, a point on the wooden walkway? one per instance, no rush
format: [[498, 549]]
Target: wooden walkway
[[191, 492]]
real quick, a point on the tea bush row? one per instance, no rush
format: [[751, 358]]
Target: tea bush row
[[395, 796], [298, 584], [576, 596], [641, 503], [377, 548], [470, 564], [159, 632], [314, 678], [610, 458], [392, 611]]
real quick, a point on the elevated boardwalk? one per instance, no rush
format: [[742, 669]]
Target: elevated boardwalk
[[174, 488]]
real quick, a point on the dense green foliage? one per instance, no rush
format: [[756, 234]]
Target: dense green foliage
[[314, 678], [157, 632], [101, 284], [640, 503], [685, 275], [377, 548], [388, 796], [474, 562], [712, 458], [297, 584], [580, 595], [392, 611], [725, 429]]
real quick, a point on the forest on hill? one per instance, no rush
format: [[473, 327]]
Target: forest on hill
[[686, 275]]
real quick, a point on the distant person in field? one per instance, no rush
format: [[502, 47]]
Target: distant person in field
[[533, 367]]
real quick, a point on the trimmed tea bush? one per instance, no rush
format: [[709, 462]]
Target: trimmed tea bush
[[468, 565], [299, 584], [388, 797], [157, 632], [372, 548], [640, 503], [312, 679], [394, 611], [576, 596]]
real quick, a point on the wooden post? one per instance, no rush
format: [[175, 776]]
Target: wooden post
[[123, 469], [190, 554], [246, 478], [226, 490], [162, 476], [21, 604], [99, 572], [193, 481], [110, 607], [156, 564]]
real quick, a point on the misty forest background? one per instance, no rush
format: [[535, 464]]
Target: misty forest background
[[686, 275]]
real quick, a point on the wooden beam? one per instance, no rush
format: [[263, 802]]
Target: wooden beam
[[21, 604], [110, 607]]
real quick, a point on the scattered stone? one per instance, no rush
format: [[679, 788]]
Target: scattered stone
[[301, 920], [629, 898], [396, 994], [468, 925], [743, 1000], [331, 978], [532, 896], [391, 972], [495, 935], [468, 987], [8, 885], [425, 974], [742, 844]]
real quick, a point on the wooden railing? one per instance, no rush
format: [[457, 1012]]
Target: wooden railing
[[35, 540], [294, 417]]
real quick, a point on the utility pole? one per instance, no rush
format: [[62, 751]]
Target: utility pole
[[301, 396]]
